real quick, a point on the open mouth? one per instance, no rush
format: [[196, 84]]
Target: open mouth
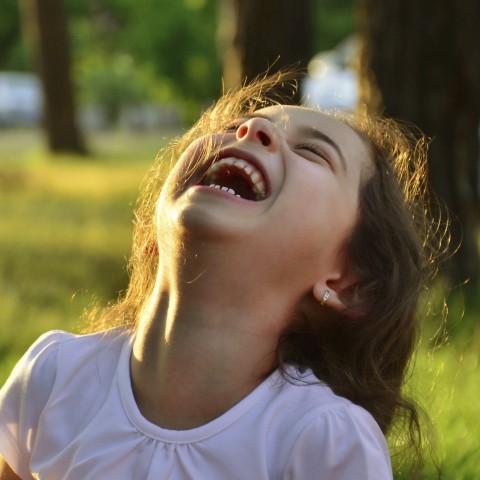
[[238, 177]]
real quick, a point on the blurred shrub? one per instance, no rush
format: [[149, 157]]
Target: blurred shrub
[[111, 82], [160, 52]]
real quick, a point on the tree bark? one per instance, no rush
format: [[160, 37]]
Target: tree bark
[[421, 62], [267, 35], [45, 28]]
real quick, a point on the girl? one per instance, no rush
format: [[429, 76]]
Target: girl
[[269, 319]]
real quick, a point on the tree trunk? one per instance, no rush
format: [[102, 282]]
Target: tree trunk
[[45, 28], [267, 35], [421, 62]]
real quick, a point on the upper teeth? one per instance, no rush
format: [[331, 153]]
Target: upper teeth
[[256, 178]]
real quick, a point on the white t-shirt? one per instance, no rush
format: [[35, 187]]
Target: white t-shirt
[[67, 412]]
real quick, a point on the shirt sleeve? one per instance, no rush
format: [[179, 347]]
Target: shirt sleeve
[[23, 399], [342, 444]]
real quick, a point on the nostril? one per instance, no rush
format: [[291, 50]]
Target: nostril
[[254, 132], [264, 138], [242, 131]]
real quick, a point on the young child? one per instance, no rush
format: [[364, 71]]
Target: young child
[[269, 320]]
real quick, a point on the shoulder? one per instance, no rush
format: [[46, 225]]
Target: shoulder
[[51, 356], [44, 349], [55, 371], [37, 365], [333, 435], [304, 393], [58, 349], [85, 357], [343, 443], [48, 345]]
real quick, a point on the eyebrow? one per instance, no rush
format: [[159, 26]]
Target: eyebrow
[[311, 132]]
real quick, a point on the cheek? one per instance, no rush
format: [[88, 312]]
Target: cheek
[[191, 161], [185, 165], [319, 218], [183, 170]]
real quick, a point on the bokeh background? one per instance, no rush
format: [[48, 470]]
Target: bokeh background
[[91, 90]]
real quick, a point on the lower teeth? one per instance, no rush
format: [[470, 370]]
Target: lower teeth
[[225, 189]]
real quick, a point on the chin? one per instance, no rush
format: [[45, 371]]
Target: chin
[[194, 221]]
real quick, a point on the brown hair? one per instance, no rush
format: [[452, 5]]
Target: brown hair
[[364, 353], [361, 356]]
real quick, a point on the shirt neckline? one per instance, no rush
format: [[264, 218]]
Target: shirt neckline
[[267, 387]]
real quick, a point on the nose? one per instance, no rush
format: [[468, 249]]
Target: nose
[[259, 130]]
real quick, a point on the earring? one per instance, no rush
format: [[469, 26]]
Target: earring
[[326, 295]]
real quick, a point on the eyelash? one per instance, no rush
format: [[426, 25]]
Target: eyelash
[[311, 148], [232, 126]]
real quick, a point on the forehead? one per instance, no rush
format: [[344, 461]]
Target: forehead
[[293, 119]]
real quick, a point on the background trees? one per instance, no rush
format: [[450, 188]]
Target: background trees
[[126, 51], [422, 62], [268, 35], [45, 27]]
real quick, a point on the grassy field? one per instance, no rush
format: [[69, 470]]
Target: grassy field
[[65, 227], [65, 230]]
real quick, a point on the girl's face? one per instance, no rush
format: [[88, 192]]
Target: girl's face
[[283, 182]]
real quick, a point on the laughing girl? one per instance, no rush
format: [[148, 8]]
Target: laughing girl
[[270, 317]]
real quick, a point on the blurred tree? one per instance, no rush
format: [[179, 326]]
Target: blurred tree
[[421, 62], [45, 28], [257, 36], [12, 55]]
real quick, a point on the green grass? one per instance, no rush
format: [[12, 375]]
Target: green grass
[[65, 230], [65, 233], [448, 386], [455, 410]]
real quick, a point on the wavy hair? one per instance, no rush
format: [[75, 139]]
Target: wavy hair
[[363, 353]]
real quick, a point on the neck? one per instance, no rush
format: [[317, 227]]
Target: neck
[[206, 339]]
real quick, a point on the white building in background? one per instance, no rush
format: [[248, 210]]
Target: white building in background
[[20, 99], [332, 80]]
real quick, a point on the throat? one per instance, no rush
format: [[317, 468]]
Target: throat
[[189, 399]]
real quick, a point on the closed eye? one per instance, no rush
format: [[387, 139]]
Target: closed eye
[[309, 147]]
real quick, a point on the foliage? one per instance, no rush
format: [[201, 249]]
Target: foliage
[[12, 52], [159, 51], [147, 50], [334, 20], [111, 82]]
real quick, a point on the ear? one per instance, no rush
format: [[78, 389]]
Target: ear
[[341, 288]]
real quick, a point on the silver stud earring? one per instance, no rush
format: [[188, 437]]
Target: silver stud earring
[[326, 295]]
